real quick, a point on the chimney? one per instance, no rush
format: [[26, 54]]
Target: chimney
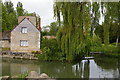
[[39, 24], [28, 18]]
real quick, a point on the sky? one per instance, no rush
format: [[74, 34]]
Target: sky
[[44, 8]]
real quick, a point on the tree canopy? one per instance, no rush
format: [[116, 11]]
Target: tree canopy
[[10, 15], [81, 27]]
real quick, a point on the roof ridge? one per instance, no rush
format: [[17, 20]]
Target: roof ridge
[[33, 24], [29, 21]]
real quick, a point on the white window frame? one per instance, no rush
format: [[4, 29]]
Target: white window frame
[[24, 29], [24, 43]]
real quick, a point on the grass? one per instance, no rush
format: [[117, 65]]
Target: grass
[[111, 48]]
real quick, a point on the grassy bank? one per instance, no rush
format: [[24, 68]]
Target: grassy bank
[[111, 48]]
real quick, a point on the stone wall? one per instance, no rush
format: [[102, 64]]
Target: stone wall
[[4, 44], [33, 41]]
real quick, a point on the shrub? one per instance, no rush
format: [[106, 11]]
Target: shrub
[[22, 76], [50, 50]]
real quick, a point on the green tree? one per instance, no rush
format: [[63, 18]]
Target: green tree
[[9, 17], [9, 6], [0, 16], [4, 18], [53, 28], [73, 36], [19, 8], [111, 15]]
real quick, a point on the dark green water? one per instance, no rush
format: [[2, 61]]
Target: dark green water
[[95, 68]]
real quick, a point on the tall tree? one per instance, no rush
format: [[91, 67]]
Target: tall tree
[[111, 16], [19, 8], [0, 16], [9, 18], [73, 37], [9, 6]]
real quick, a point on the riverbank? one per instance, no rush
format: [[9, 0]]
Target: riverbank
[[25, 56], [54, 69], [27, 76]]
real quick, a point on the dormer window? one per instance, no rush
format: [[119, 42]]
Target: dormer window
[[24, 29]]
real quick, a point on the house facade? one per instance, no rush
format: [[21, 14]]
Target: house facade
[[26, 36]]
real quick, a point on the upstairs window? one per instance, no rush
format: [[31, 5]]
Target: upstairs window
[[23, 43], [24, 29]]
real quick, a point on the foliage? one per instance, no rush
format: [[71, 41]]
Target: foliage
[[111, 16], [20, 10], [75, 36], [106, 49], [9, 18], [50, 29], [50, 50], [22, 76], [10, 15], [81, 30], [0, 16]]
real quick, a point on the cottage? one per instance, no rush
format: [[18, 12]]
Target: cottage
[[26, 36]]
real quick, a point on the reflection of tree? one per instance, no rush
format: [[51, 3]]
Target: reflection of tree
[[6, 68], [119, 66], [107, 63], [53, 69], [57, 69]]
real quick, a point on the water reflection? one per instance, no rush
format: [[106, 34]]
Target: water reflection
[[83, 69]]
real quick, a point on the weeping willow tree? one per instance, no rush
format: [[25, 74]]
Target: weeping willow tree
[[111, 12], [74, 36]]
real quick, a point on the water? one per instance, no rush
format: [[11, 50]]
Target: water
[[94, 68]]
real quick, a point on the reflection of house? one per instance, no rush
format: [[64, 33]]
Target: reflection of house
[[49, 37], [26, 37]]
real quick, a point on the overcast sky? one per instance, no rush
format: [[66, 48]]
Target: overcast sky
[[42, 7]]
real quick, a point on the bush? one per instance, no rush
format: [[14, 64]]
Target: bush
[[50, 50], [22, 76]]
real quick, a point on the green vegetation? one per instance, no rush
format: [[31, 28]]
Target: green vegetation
[[106, 49], [51, 29], [0, 17], [23, 75], [50, 50], [10, 15], [80, 33], [79, 29]]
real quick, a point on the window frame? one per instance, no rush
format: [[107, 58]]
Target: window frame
[[24, 30], [24, 43]]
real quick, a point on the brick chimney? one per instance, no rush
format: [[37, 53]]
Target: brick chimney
[[39, 24]]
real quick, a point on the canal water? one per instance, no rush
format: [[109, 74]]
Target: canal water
[[95, 68]]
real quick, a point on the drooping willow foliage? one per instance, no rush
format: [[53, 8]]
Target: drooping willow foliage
[[74, 36]]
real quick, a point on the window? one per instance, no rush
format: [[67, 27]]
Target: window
[[24, 29], [23, 43]]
